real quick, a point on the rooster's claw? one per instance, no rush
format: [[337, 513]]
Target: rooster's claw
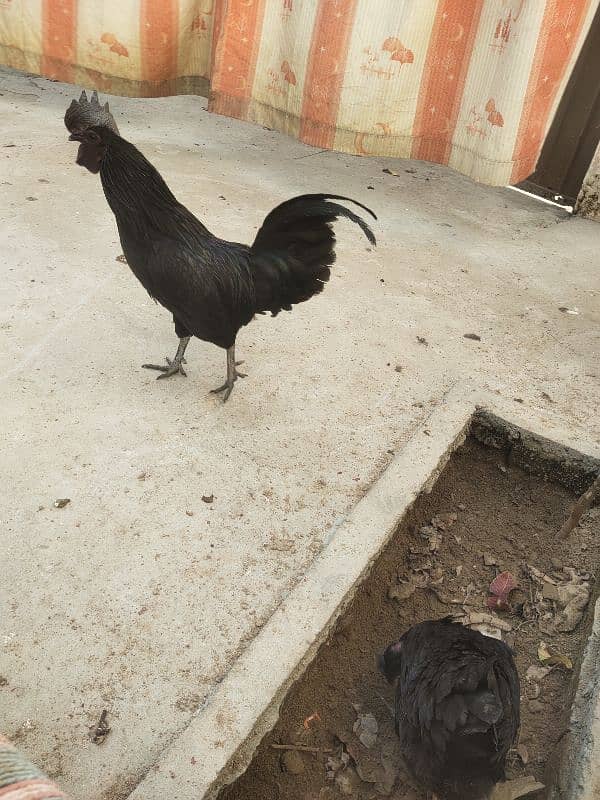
[[232, 375], [171, 368]]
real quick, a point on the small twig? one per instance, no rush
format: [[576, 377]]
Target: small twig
[[309, 155], [101, 730], [585, 502], [301, 747]]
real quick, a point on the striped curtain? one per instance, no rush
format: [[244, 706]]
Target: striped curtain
[[468, 83], [21, 780]]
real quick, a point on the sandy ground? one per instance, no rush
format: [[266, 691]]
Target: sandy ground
[[138, 596]]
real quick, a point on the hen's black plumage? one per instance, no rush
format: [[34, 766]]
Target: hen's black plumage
[[211, 286], [457, 707]]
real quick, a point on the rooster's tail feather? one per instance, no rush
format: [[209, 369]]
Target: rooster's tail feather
[[295, 248]]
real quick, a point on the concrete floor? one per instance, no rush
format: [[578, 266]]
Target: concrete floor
[[138, 597]]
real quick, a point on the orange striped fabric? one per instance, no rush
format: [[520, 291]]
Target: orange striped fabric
[[235, 57], [470, 84], [555, 47], [58, 39], [21, 780], [159, 40], [33, 789], [448, 56], [325, 71]]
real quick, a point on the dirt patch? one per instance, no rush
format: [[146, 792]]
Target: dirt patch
[[483, 517]]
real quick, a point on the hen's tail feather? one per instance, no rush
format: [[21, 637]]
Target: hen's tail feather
[[295, 248]]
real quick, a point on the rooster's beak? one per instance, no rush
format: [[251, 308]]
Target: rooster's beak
[[75, 137]]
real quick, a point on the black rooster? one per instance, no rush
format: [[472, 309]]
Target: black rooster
[[457, 707], [211, 286]]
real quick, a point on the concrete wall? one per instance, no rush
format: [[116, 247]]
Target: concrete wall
[[579, 776], [588, 202]]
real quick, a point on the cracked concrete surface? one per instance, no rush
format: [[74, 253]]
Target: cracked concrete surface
[[138, 596]]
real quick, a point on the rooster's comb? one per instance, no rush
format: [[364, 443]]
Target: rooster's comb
[[83, 114]]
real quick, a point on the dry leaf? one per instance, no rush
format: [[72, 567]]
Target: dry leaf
[[573, 598], [537, 673], [523, 753], [489, 631], [543, 653], [487, 624], [503, 584], [62, 502], [366, 729], [497, 603], [550, 657], [501, 587], [550, 591], [519, 787], [480, 618], [391, 172], [541, 577]]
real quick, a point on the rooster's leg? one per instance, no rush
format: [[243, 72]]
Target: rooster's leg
[[174, 366], [232, 375]]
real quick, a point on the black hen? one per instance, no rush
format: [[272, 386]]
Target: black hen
[[457, 707], [211, 286]]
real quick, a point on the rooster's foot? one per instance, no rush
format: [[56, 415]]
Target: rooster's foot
[[232, 375], [170, 368], [227, 387], [174, 366]]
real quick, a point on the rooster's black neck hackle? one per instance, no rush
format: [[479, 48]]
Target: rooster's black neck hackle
[[138, 195]]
